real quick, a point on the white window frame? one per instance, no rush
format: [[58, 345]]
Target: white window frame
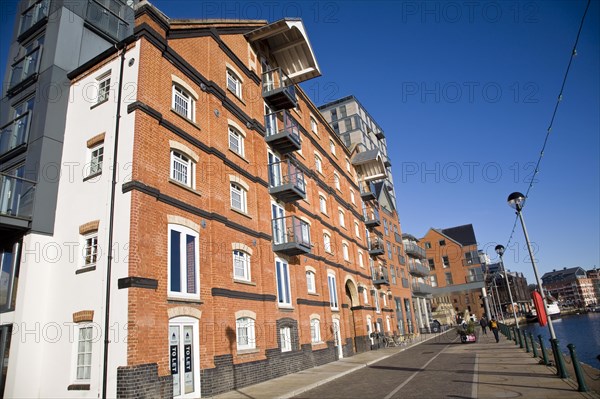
[[342, 218], [388, 324], [234, 83], [180, 323], [241, 258], [233, 135], [348, 167], [90, 249], [183, 103], [327, 242], [285, 336], [186, 174], [365, 295], [315, 330], [311, 282], [352, 198], [184, 232], [332, 147], [314, 126], [361, 262], [284, 292], [323, 204], [318, 164], [357, 229], [333, 297], [336, 181], [248, 324], [377, 305], [95, 159], [236, 189], [345, 252], [103, 83], [83, 330]]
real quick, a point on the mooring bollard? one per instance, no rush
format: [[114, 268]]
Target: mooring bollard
[[520, 338], [577, 368], [544, 355], [533, 348], [508, 335], [561, 370], [515, 335], [526, 342]]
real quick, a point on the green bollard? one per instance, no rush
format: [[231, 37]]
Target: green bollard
[[508, 335], [544, 355], [561, 369], [515, 335], [526, 342], [577, 367], [533, 347], [520, 338]]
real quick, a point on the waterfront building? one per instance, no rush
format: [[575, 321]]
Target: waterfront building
[[456, 269], [571, 286], [213, 230], [418, 268], [518, 284], [594, 275]]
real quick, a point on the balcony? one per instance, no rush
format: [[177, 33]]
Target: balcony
[[421, 289], [16, 202], [24, 70], [34, 14], [380, 276], [376, 245], [411, 248], [371, 217], [471, 262], [14, 134], [417, 269], [282, 132], [286, 181], [291, 236], [288, 46], [278, 91], [474, 278], [367, 191]]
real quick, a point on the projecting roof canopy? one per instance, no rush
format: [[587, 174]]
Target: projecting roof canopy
[[289, 45], [369, 165]]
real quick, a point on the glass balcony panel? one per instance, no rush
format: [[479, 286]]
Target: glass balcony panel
[[291, 235], [25, 67], [282, 132], [278, 90], [33, 15], [286, 181], [14, 134], [16, 197]]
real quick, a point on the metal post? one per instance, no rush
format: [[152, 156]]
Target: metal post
[[515, 332], [498, 297], [558, 355], [544, 355], [520, 338], [533, 347], [508, 335], [526, 342], [486, 301], [512, 303], [578, 372], [561, 369]]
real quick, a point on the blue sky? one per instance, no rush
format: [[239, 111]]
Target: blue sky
[[465, 92]]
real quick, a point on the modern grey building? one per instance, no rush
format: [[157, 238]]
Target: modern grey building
[[50, 38]]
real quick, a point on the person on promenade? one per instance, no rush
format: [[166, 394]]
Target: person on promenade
[[483, 322], [494, 328]]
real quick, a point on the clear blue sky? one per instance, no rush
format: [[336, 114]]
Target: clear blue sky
[[464, 92]]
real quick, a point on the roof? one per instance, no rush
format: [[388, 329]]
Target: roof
[[564, 274], [465, 235]]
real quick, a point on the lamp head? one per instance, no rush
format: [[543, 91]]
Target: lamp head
[[499, 249], [516, 200]]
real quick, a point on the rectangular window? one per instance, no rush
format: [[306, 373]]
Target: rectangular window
[[241, 265], [283, 283], [445, 262], [431, 263], [91, 249], [342, 218], [389, 250], [318, 164], [393, 272], [183, 103], [433, 280], [333, 299], [327, 243], [84, 353], [96, 158], [313, 125], [183, 262], [322, 204], [345, 252], [236, 142], [448, 278], [343, 113], [315, 331], [103, 88], [238, 198], [246, 336], [310, 282], [427, 245], [234, 84], [182, 169], [332, 147], [442, 243], [285, 335]]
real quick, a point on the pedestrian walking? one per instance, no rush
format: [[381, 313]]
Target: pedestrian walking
[[494, 328], [483, 322]]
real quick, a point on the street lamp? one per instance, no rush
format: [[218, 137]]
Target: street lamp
[[500, 251], [498, 297], [516, 201]]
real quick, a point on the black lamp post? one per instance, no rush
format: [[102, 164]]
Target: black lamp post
[[500, 251], [516, 201]]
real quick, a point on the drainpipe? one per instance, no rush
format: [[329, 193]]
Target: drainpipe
[[122, 46]]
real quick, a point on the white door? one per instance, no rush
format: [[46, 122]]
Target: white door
[[184, 357], [274, 170], [278, 213], [337, 338]]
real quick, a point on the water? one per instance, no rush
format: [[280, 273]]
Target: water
[[582, 330]]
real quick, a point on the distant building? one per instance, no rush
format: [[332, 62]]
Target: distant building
[[518, 286], [456, 271], [418, 269], [572, 287], [594, 275]]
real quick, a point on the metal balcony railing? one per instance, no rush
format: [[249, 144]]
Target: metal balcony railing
[[376, 245], [14, 134], [474, 278], [291, 236], [16, 196], [367, 191], [416, 268], [25, 67], [421, 288], [278, 90], [286, 181], [371, 216], [411, 248], [282, 132], [35, 13], [471, 261], [380, 275]]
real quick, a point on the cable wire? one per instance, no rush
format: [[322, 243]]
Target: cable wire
[[549, 130]]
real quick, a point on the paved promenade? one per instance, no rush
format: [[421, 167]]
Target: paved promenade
[[500, 370]]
